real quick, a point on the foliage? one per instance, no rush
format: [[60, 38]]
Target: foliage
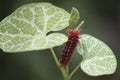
[[34, 27]]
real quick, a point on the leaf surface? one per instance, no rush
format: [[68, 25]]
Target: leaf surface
[[27, 27], [98, 58], [74, 17]]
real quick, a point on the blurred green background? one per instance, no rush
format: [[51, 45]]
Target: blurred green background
[[102, 20]]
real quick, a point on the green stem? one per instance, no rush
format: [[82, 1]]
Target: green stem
[[72, 73], [80, 25], [67, 70], [65, 75], [54, 56]]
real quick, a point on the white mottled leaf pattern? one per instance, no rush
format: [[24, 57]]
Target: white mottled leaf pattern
[[74, 17], [27, 27], [98, 58]]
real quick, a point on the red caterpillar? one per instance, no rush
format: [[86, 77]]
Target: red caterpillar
[[73, 40]]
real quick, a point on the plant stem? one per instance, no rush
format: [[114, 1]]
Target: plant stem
[[79, 26], [64, 70], [54, 56], [72, 73], [65, 75], [67, 70]]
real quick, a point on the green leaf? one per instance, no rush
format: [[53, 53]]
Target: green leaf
[[74, 17], [98, 58], [27, 27]]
